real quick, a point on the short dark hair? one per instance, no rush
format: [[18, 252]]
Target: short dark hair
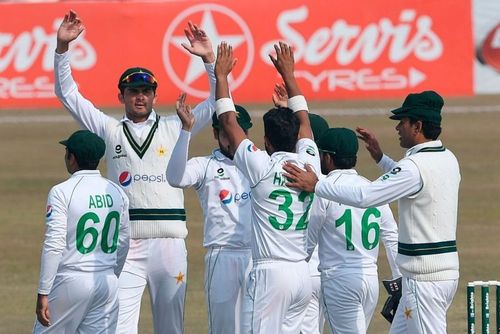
[[343, 163], [281, 127], [430, 130], [85, 164]]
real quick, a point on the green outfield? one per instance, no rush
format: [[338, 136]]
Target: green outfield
[[33, 162]]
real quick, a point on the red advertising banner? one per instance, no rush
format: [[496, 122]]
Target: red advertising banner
[[343, 50]]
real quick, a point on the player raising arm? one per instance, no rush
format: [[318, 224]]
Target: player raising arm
[[224, 195], [273, 302], [425, 183], [139, 147]]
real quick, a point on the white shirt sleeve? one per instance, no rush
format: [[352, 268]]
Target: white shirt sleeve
[[203, 111], [389, 237], [316, 221], [66, 89], [182, 173], [308, 152], [124, 237], [54, 241], [386, 163], [403, 180], [251, 161]]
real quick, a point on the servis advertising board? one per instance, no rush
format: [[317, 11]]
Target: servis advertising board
[[343, 50]]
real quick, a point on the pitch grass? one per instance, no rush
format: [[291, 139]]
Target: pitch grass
[[33, 162]]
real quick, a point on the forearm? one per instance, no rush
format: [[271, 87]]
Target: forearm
[[177, 164], [80, 108], [203, 111], [48, 270]]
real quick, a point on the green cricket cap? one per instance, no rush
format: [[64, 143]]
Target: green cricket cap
[[318, 125], [340, 142], [137, 77], [424, 106], [242, 115], [85, 145]]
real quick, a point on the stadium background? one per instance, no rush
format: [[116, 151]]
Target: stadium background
[[460, 59]]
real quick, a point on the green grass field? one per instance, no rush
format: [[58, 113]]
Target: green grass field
[[33, 162]]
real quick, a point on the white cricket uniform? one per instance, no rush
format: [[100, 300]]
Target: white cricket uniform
[[425, 183], [85, 246], [279, 285], [137, 155], [314, 320], [224, 195], [348, 240]]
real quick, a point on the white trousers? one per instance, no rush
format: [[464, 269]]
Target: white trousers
[[276, 297], [225, 272], [161, 264], [350, 300], [423, 306], [82, 303], [314, 320]]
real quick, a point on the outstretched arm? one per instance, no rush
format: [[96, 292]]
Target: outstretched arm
[[199, 44], [284, 63], [224, 105], [70, 28]]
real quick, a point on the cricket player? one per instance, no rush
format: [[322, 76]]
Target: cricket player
[[224, 195], [85, 245], [139, 148], [314, 320], [348, 239], [425, 183], [279, 284]]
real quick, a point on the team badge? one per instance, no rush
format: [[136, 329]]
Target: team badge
[[225, 196], [311, 151], [252, 148], [48, 211], [161, 151], [125, 179]]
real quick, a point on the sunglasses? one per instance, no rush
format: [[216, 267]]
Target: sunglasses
[[139, 77]]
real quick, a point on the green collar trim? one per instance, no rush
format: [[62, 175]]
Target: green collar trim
[[141, 149]]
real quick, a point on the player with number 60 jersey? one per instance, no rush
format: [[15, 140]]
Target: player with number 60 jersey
[[85, 246]]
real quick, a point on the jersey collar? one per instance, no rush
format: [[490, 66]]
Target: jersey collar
[[87, 172], [419, 147], [219, 156], [151, 118]]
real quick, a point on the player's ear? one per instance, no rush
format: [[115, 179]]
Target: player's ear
[[216, 133], [155, 98], [120, 98]]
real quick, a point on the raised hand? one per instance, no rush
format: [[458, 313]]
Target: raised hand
[[225, 60], [199, 43], [280, 96], [371, 143], [70, 28], [284, 61], [184, 112]]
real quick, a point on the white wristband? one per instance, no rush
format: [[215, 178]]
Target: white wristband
[[223, 105], [297, 103]]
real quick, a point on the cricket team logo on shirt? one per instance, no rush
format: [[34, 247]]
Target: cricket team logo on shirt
[[225, 196], [119, 152], [252, 148], [125, 179], [48, 212], [221, 175]]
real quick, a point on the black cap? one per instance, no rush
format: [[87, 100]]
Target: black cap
[[341, 142]]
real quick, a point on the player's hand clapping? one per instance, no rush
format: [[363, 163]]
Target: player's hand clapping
[[371, 143], [280, 96], [284, 61], [184, 112], [225, 60]]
